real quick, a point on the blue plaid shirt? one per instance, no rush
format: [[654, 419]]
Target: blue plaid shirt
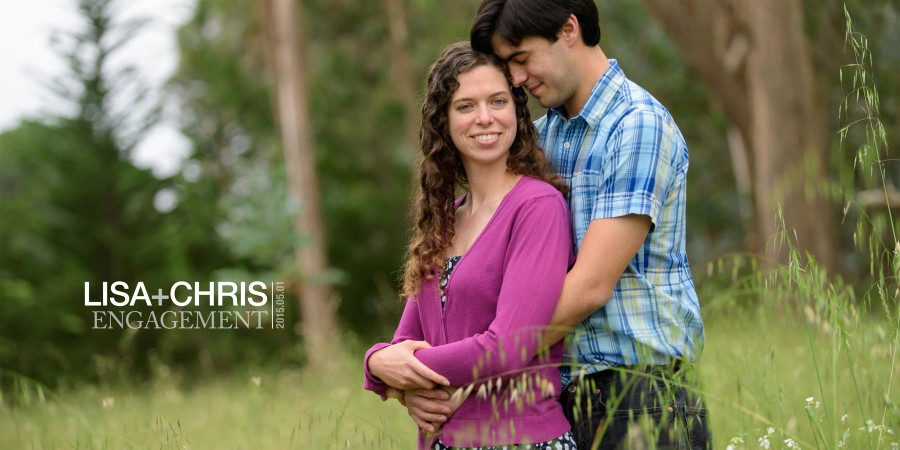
[[623, 154]]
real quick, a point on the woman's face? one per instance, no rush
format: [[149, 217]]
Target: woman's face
[[482, 117]]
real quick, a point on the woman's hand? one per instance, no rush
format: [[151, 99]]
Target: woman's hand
[[399, 368], [431, 408]]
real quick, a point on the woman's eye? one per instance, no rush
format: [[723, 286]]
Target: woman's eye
[[464, 107], [500, 101]]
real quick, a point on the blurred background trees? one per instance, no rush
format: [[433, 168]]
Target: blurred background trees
[[754, 86]]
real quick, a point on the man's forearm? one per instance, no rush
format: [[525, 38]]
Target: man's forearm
[[605, 252], [578, 301]]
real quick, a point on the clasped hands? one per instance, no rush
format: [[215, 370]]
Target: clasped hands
[[427, 395]]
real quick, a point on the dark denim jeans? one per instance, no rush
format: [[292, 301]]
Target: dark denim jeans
[[636, 409]]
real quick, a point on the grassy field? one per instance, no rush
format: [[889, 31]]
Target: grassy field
[[758, 370]]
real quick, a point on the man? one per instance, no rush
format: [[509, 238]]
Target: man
[[629, 300]]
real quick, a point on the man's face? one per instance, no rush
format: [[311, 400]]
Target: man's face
[[543, 68]]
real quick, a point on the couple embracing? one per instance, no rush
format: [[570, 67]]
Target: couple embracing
[[492, 283]]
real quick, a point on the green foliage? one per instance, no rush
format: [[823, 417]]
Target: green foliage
[[76, 210]]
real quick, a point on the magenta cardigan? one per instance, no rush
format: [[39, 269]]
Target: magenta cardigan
[[500, 296]]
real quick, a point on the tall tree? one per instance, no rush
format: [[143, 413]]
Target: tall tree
[[401, 72], [297, 143], [75, 209], [758, 63]]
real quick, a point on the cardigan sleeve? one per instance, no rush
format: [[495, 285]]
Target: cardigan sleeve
[[538, 256], [410, 328]]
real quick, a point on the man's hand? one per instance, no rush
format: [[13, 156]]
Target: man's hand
[[399, 368], [430, 408], [395, 394]]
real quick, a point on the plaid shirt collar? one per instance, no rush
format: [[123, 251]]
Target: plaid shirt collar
[[602, 95]]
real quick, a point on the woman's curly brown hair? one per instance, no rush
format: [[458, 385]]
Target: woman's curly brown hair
[[441, 168]]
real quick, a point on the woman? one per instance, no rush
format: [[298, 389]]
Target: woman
[[484, 271]]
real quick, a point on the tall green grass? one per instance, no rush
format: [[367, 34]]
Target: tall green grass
[[259, 409], [757, 372]]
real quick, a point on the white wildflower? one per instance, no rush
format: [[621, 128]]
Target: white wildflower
[[108, 402], [789, 443], [844, 418], [812, 403], [771, 430], [844, 438], [764, 442], [869, 427], [735, 442]]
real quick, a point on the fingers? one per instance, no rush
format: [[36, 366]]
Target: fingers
[[423, 425], [431, 411], [433, 377], [434, 394], [428, 417], [415, 345], [398, 367], [421, 369], [428, 409]]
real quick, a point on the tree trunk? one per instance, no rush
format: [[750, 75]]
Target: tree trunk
[[789, 126], [756, 61], [318, 321], [401, 73]]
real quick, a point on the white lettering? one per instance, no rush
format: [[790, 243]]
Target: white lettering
[[97, 324], [231, 293], [211, 293], [140, 293], [261, 294], [87, 295], [174, 299], [118, 293]]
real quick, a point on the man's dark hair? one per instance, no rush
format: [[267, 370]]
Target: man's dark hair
[[514, 20]]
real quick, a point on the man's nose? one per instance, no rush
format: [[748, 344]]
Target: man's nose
[[518, 75]]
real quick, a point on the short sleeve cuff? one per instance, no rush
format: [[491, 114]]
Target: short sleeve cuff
[[625, 203]]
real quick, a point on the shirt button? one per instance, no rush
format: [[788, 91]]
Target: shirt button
[[566, 145]]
